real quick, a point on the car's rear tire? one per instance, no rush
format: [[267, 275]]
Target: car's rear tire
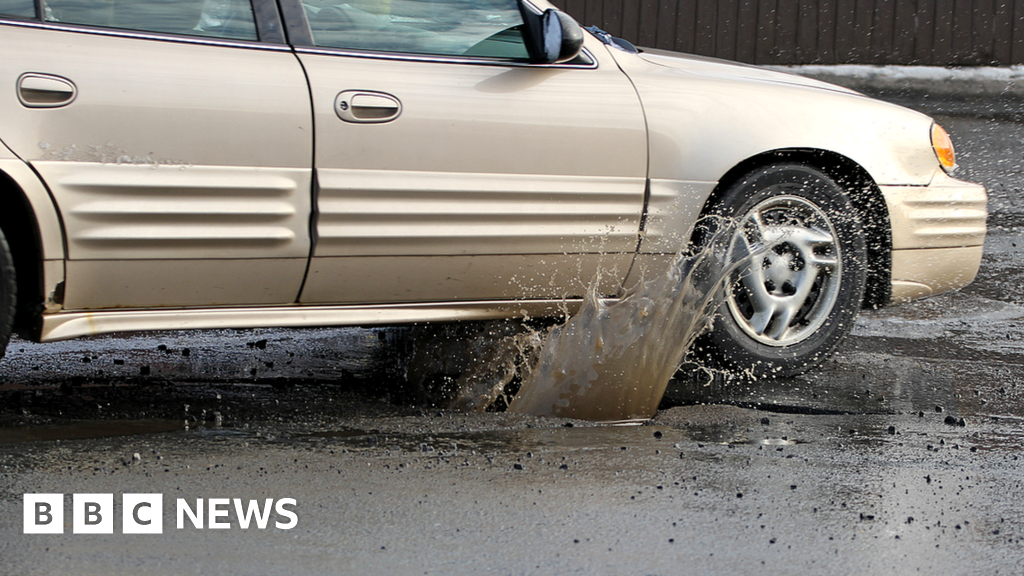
[[788, 309], [7, 293]]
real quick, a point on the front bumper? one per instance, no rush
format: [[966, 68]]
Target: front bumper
[[938, 232]]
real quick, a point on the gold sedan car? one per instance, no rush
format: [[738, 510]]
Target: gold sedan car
[[235, 163]]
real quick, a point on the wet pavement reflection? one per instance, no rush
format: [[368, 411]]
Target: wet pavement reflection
[[86, 429]]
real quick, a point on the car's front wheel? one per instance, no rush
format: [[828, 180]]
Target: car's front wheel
[[801, 281], [7, 293]]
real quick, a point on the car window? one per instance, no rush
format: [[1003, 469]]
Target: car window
[[18, 8], [477, 28], [232, 19]]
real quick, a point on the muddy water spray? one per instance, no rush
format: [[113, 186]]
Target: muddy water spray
[[613, 360]]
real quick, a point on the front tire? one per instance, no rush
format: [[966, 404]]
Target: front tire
[[7, 293], [787, 308]]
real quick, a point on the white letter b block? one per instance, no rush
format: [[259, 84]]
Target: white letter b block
[[44, 514], [92, 514]]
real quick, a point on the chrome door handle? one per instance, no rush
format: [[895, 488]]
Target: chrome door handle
[[367, 107], [45, 90]]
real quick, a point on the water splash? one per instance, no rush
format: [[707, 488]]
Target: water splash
[[612, 361], [609, 362]]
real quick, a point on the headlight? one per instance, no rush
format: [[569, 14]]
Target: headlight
[[943, 147]]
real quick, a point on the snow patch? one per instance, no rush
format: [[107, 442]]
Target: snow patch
[[920, 73]]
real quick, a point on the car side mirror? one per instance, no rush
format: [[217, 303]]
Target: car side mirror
[[551, 37]]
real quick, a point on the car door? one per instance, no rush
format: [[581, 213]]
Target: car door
[[176, 140], [450, 168]]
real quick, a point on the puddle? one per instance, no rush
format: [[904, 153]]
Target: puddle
[[218, 432], [936, 317], [733, 436], [587, 438], [339, 433], [88, 429], [537, 440]]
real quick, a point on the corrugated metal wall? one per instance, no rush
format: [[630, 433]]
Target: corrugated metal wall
[[933, 32]]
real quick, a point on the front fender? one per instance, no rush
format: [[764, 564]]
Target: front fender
[[706, 117]]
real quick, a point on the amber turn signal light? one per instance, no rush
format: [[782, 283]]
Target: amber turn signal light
[[943, 147]]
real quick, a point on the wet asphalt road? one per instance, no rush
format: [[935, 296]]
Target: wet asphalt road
[[900, 455]]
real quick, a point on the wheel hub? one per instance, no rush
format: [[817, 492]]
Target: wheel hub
[[791, 281]]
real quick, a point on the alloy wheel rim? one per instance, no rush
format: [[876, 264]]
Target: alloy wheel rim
[[787, 289]]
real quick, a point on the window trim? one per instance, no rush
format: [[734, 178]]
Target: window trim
[[132, 34], [300, 35], [266, 17], [441, 59], [286, 20]]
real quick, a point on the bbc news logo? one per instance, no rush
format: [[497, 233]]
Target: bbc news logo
[[144, 513]]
